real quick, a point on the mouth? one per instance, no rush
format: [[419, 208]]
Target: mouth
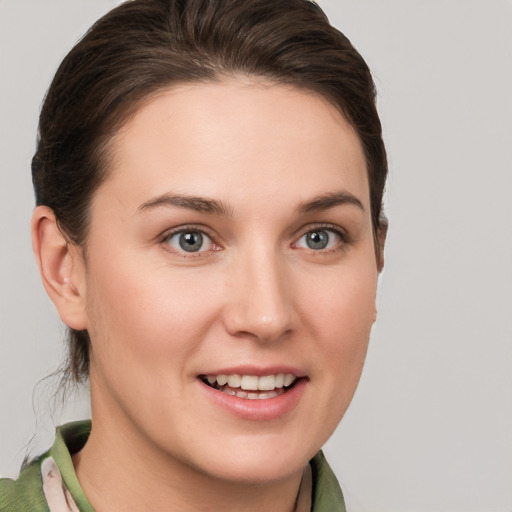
[[252, 387]]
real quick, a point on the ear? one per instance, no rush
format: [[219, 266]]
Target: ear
[[382, 233], [61, 266]]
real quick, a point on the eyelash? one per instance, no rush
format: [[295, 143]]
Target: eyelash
[[344, 239]]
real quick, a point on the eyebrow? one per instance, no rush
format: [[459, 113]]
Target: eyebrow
[[199, 204], [206, 205], [330, 200]]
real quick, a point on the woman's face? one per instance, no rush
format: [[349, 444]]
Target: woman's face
[[230, 245]]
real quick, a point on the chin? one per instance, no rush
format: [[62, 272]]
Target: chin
[[261, 461], [258, 473]]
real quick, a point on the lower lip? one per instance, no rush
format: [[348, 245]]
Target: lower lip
[[257, 410]]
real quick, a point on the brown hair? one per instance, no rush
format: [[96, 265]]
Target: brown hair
[[143, 46]]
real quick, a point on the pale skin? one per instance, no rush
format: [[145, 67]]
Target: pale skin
[[274, 166]]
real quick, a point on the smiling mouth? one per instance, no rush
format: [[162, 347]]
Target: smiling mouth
[[251, 387]]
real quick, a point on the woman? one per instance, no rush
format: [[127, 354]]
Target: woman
[[209, 180]]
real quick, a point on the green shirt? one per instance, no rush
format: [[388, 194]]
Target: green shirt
[[26, 494]]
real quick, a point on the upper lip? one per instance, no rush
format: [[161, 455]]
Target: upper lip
[[257, 371]]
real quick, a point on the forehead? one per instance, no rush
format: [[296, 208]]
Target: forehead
[[241, 136]]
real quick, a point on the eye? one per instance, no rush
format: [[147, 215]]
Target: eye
[[190, 240], [319, 239]]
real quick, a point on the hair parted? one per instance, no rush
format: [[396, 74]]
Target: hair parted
[[144, 46]]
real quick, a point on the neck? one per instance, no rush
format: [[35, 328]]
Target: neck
[[119, 472]]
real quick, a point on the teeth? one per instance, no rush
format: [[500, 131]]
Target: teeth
[[267, 383], [222, 379], [249, 382], [252, 382], [270, 394], [234, 381], [279, 380], [288, 379]]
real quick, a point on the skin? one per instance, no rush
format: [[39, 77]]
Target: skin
[[255, 294]]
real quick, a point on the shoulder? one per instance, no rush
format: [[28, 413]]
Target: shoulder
[[327, 495], [25, 493]]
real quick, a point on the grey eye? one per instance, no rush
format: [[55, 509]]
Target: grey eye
[[317, 240], [190, 241]]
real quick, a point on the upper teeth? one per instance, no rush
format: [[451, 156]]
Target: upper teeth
[[253, 382]]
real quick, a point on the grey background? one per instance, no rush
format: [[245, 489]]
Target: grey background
[[430, 429]]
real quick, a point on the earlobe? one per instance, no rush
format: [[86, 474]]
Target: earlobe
[[61, 267]]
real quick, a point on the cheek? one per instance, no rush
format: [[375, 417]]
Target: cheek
[[344, 308], [142, 313], [342, 320], [145, 328]]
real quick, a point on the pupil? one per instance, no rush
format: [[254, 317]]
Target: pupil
[[317, 239], [191, 241]]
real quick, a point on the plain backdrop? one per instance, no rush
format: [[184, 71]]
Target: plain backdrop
[[430, 428]]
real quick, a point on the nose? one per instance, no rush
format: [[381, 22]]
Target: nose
[[260, 301]]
